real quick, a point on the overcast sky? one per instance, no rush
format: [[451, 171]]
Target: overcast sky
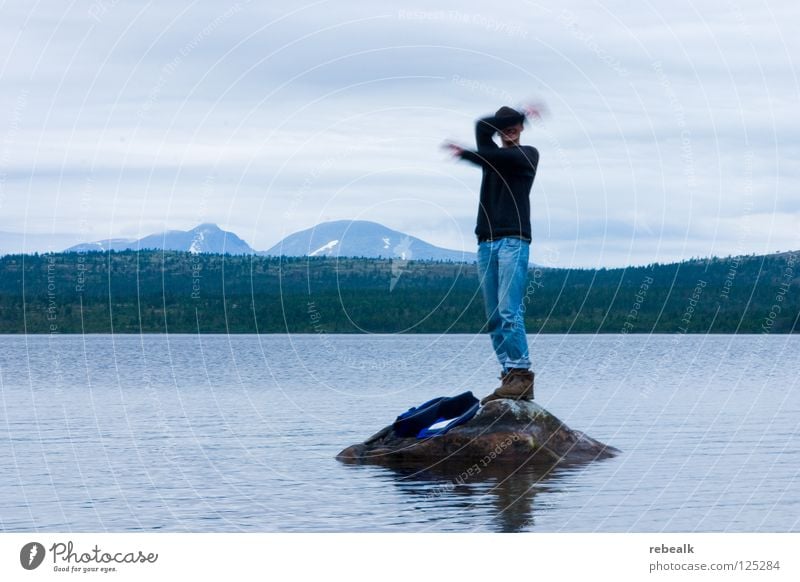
[[673, 127]]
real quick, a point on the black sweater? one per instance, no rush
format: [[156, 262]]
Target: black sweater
[[508, 174]]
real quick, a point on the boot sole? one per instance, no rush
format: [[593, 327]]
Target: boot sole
[[493, 396]]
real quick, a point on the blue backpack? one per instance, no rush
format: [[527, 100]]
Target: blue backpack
[[437, 416]]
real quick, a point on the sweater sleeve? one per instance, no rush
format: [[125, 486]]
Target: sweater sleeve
[[489, 154]]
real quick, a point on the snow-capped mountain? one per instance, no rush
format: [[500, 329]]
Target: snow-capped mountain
[[345, 238], [205, 238], [361, 238]]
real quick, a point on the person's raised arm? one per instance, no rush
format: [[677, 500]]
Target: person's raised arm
[[486, 127], [517, 157], [488, 153]]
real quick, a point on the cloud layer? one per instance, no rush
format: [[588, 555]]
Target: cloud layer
[[672, 130]]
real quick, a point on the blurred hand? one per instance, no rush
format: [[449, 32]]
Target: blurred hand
[[454, 149], [534, 110]]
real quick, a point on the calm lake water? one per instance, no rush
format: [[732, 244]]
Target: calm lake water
[[239, 433]]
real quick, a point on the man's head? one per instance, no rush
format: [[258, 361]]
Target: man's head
[[509, 134]]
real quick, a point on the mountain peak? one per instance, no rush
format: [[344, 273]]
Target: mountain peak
[[362, 238], [208, 227], [203, 238]]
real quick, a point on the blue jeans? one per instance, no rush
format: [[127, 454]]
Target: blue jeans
[[503, 272]]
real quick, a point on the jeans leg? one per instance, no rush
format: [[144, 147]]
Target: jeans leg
[[512, 259], [488, 276]]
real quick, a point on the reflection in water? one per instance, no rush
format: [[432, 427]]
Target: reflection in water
[[510, 489]]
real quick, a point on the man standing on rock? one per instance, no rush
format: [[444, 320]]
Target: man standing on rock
[[504, 237]]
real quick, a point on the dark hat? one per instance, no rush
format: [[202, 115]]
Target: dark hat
[[506, 117], [506, 111]]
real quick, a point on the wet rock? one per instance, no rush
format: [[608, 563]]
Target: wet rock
[[502, 431]]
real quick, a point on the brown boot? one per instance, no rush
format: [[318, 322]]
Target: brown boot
[[503, 377], [517, 385]]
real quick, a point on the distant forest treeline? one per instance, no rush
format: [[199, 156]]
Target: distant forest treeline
[[154, 291]]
